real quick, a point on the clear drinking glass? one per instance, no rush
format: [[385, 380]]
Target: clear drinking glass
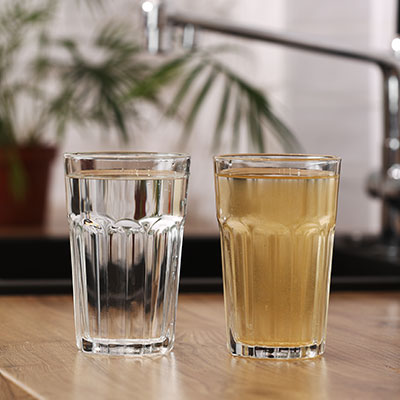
[[126, 213], [276, 215]]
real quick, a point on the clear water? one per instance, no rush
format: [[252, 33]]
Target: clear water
[[126, 233]]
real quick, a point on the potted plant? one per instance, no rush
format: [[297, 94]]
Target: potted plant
[[24, 159], [46, 83], [61, 84]]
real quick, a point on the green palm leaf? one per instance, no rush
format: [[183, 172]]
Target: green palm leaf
[[250, 103], [258, 114], [222, 113], [184, 89], [254, 126], [198, 101], [149, 87], [237, 119]]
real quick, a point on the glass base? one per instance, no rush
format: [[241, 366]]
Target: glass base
[[126, 347], [278, 353]]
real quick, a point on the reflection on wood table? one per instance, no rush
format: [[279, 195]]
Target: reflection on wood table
[[39, 360]]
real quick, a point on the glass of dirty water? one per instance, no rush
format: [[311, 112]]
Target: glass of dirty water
[[277, 215], [126, 213]]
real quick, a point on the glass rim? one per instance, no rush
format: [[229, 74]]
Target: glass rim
[[126, 156], [285, 157]]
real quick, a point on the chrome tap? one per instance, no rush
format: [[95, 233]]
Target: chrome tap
[[152, 16], [385, 183]]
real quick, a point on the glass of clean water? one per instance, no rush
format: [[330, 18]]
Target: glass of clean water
[[277, 216], [126, 213]]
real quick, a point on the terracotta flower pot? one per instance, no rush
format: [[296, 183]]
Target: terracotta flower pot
[[28, 208]]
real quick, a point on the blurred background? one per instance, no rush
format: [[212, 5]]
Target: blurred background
[[333, 106], [77, 75]]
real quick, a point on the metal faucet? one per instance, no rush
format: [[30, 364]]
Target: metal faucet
[[385, 183]]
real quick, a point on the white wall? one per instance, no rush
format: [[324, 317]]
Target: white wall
[[332, 105]]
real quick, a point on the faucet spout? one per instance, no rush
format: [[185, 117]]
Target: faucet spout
[[152, 13]]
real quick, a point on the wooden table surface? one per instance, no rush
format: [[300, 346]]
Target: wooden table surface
[[38, 358]]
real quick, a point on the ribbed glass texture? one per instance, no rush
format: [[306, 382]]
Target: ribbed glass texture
[[276, 215], [126, 223]]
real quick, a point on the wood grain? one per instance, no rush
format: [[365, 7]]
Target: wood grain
[[37, 351], [12, 391]]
